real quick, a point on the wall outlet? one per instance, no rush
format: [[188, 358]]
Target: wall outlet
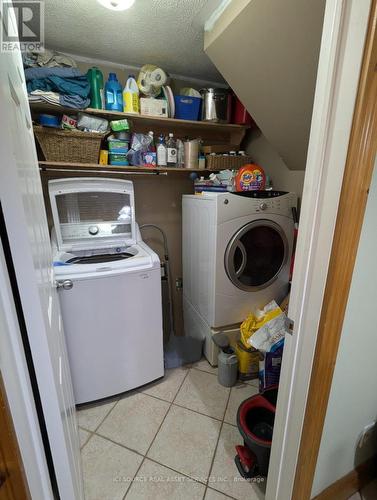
[[367, 434]]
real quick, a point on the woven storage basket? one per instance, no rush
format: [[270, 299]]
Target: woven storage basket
[[220, 162], [68, 145]]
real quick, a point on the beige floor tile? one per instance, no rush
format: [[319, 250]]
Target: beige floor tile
[[186, 442], [201, 392], [238, 393], [156, 482], [356, 496], [205, 366], [224, 475], [254, 382], [167, 387], [215, 495], [108, 469], [369, 492], [84, 436], [134, 421], [90, 418]]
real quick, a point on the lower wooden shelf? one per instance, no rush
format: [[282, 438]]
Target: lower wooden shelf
[[95, 167]]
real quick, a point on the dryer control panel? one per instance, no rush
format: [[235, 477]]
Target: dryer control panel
[[231, 205]]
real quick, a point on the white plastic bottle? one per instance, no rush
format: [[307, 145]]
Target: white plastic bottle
[[131, 96], [171, 146], [161, 152]]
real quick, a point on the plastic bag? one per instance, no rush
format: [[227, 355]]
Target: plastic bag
[[265, 331], [256, 321], [269, 335], [91, 123], [139, 145]]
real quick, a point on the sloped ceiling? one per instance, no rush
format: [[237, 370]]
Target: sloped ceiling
[[268, 52], [168, 33]]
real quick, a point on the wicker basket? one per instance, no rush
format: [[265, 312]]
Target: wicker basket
[[220, 162], [68, 145]]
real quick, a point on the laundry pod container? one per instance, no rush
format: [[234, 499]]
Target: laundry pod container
[[255, 421]]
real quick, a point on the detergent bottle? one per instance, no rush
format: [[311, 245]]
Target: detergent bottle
[[131, 96], [113, 94], [95, 78]]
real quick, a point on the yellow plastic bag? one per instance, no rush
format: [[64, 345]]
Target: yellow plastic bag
[[253, 322]]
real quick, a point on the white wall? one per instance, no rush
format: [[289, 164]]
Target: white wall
[[267, 157], [353, 398]]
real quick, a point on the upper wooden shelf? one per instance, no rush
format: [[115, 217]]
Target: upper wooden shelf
[[211, 133]]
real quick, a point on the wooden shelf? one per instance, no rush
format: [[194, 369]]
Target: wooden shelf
[[95, 167], [210, 132]]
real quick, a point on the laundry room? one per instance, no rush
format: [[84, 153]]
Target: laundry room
[[171, 140], [172, 195]]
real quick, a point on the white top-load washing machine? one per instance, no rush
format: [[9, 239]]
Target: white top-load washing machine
[[237, 250], [110, 287]]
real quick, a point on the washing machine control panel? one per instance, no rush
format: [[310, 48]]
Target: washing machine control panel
[[263, 206]]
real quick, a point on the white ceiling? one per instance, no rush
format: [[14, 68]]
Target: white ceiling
[[168, 33]]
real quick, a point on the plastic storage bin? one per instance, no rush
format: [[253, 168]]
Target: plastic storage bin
[[186, 107]]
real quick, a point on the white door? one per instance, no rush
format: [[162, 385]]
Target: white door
[[26, 225]]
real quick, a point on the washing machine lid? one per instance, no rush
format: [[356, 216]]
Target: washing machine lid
[[87, 263], [92, 213]]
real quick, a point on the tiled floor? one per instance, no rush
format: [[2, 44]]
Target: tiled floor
[[173, 439], [369, 492]]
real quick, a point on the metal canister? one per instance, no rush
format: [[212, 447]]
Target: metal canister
[[216, 105], [227, 367]]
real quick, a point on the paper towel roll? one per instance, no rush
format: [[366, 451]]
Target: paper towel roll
[[158, 77], [151, 79]]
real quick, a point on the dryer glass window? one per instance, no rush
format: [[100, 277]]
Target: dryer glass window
[[256, 255], [94, 215]]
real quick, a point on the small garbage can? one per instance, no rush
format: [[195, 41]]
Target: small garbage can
[[255, 421], [227, 367]]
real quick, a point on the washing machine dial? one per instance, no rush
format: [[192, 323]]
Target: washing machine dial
[[93, 230], [263, 206]]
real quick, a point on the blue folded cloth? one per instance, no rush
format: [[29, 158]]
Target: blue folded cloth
[[39, 73], [74, 101], [71, 86]]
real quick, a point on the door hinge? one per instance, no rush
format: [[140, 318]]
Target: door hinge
[[289, 325]]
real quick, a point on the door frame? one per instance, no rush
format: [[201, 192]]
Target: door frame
[[299, 423], [19, 392], [353, 200]]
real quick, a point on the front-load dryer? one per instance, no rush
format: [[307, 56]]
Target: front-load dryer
[[110, 288], [236, 255]]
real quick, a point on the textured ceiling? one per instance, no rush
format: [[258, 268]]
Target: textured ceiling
[[168, 33]]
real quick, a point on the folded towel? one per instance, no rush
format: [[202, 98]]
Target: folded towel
[[70, 86], [47, 58], [68, 101], [40, 96], [74, 101], [45, 72]]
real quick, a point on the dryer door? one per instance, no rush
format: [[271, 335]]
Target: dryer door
[[256, 254]]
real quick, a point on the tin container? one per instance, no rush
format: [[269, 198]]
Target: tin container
[[216, 105]]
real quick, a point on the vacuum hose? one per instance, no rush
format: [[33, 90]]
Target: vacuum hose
[[168, 274]]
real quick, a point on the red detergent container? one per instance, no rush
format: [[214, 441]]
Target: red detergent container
[[255, 421], [240, 115]]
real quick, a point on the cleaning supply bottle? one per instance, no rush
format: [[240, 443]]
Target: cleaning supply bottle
[[180, 153], [95, 78], [131, 96], [150, 156], [171, 147], [113, 94], [161, 152]]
